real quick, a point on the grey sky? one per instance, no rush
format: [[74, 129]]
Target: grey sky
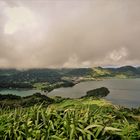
[[63, 33]]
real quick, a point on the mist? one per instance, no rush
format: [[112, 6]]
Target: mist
[[63, 33]]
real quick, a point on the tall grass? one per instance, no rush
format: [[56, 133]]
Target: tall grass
[[81, 123]]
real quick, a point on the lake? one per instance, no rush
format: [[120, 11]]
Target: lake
[[124, 92], [19, 92]]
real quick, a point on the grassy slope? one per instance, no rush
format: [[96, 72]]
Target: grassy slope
[[70, 119]]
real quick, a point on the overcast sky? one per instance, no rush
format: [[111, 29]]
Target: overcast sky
[[69, 33]]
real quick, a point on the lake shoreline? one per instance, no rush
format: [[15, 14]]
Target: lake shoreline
[[77, 91]]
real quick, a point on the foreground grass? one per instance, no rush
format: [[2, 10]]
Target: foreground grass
[[79, 119]]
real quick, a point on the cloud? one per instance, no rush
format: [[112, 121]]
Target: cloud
[[66, 33], [118, 55]]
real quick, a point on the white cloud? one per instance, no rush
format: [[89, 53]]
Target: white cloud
[[117, 55], [80, 33], [19, 18]]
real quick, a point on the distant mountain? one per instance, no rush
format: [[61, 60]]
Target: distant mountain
[[129, 71], [26, 78], [75, 72], [124, 69]]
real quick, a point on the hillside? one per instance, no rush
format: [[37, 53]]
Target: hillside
[[70, 119], [28, 78], [90, 117]]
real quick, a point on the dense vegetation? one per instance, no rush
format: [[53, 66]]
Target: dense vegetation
[[49, 79], [46, 87], [39, 117], [121, 72], [98, 93], [70, 119], [13, 101], [12, 78]]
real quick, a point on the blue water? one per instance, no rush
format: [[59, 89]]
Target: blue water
[[19, 92], [124, 92]]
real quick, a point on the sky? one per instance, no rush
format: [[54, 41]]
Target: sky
[[69, 33]]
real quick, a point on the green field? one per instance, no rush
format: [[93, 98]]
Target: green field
[[70, 119]]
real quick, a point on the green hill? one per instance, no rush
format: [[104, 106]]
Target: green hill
[[70, 119], [28, 78]]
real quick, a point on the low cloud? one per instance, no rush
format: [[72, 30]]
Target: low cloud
[[66, 33]]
